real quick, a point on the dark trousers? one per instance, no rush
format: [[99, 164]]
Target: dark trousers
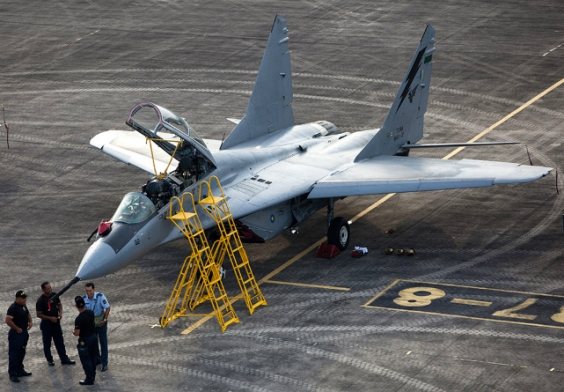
[[102, 333], [52, 331], [17, 343], [87, 352]]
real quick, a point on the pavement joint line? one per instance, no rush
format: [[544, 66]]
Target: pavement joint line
[[383, 200]]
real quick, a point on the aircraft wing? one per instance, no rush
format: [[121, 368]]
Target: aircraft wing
[[132, 148], [390, 174]]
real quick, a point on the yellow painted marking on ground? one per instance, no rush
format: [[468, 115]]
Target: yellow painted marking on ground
[[315, 286], [198, 323], [470, 302], [467, 317], [511, 311], [483, 288], [292, 260], [373, 206], [504, 119], [382, 292], [380, 202]]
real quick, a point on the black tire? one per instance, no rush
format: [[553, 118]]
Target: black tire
[[339, 233]]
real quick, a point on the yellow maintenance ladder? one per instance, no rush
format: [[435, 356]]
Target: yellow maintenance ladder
[[229, 242], [199, 267]]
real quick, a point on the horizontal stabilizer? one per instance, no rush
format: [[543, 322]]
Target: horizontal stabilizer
[[388, 174]]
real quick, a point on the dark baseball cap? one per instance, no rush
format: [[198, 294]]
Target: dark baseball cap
[[21, 294], [79, 301]]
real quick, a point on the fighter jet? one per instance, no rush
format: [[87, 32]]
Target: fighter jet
[[274, 173]]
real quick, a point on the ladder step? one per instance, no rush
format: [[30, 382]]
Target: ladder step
[[182, 216], [250, 280], [212, 200]]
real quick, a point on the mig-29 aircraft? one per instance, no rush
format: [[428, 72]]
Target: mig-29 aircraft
[[276, 174]]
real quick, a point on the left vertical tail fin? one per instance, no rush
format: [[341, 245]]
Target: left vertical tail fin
[[270, 107], [404, 123]]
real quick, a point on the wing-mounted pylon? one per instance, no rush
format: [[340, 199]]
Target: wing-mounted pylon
[[270, 106]]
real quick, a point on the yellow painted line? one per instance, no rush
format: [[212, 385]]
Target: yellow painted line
[[382, 292], [315, 286], [467, 317], [197, 324], [373, 206], [292, 260], [472, 302], [504, 119]]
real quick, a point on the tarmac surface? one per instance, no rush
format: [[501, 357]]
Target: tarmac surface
[[485, 288]]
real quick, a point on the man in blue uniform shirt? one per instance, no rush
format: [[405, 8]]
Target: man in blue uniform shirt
[[98, 303], [19, 321]]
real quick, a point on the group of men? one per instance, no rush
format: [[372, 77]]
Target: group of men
[[90, 326]]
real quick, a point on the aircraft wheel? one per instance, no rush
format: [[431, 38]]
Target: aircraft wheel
[[339, 233]]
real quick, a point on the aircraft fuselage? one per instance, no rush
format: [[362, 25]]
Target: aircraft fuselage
[[244, 165]]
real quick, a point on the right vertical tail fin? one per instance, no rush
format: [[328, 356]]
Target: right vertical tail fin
[[404, 123]]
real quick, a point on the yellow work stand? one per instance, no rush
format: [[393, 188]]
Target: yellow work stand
[[198, 267], [199, 279]]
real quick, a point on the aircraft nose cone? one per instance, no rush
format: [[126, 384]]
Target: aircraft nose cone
[[99, 260]]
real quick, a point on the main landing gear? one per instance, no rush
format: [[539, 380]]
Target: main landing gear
[[338, 232]]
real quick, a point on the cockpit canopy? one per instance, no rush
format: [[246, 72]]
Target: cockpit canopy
[[164, 128], [134, 208]]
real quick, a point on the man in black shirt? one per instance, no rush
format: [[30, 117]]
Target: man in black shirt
[[50, 315], [87, 340], [19, 321]]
